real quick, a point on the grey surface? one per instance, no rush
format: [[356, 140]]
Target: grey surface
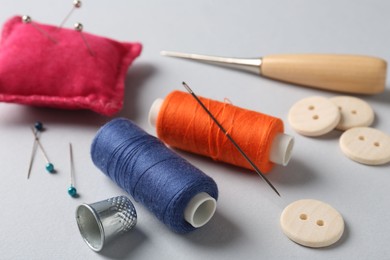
[[37, 216]]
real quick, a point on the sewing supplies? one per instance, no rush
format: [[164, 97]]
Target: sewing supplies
[[101, 222], [49, 166], [312, 223], [230, 138], [343, 73], [32, 68], [178, 194], [79, 27], [315, 116], [366, 145], [181, 123], [76, 5], [72, 191], [38, 128]]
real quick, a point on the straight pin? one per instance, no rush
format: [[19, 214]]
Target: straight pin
[[76, 5], [27, 20], [38, 128], [71, 190], [79, 27], [49, 166], [230, 138]]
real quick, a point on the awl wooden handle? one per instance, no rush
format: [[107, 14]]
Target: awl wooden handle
[[343, 73]]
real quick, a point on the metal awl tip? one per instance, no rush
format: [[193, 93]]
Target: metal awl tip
[[250, 64]]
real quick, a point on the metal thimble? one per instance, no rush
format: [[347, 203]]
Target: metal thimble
[[105, 220]]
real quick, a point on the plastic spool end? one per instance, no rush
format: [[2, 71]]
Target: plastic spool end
[[154, 111], [200, 209], [90, 227], [281, 149]]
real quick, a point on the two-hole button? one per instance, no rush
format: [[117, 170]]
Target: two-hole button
[[314, 116], [366, 145], [354, 111], [312, 223]]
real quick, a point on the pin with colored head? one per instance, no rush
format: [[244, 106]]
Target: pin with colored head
[[38, 128], [76, 5], [71, 190], [79, 27], [49, 166], [27, 20]]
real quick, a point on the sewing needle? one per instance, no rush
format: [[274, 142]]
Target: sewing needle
[[229, 137]]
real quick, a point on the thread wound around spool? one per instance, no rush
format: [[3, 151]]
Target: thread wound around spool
[[154, 175], [281, 146]]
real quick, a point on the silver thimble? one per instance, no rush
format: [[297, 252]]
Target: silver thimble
[[102, 221]]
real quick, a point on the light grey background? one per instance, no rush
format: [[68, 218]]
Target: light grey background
[[37, 215]]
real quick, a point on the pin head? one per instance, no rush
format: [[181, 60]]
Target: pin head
[[50, 167], [26, 19], [78, 27], [72, 191], [77, 3], [38, 125]]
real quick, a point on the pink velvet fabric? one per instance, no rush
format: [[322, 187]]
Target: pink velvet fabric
[[36, 71]]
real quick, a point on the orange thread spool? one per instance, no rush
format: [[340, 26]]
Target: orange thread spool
[[183, 124]]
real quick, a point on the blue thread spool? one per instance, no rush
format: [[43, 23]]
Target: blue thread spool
[[179, 194]]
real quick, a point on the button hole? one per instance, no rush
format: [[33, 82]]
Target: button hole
[[361, 138], [377, 144], [315, 117], [303, 216], [320, 222], [311, 107], [354, 112]]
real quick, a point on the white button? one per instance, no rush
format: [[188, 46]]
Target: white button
[[366, 145], [314, 116], [312, 223], [354, 112]]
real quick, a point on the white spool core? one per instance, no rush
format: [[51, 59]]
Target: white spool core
[[200, 209], [281, 148], [154, 111]]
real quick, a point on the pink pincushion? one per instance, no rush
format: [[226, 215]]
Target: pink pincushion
[[36, 71]]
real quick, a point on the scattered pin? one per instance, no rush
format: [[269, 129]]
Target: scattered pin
[[49, 165], [76, 4], [230, 138], [27, 20], [38, 128], [71, 190], [79, 27]]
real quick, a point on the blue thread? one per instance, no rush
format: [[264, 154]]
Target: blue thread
[[154, 175]]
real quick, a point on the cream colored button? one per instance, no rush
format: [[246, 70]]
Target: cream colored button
[[314, 116], [354, 112], [366, 145], [312, 223]]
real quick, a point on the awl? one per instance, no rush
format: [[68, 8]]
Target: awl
[[356, 74]]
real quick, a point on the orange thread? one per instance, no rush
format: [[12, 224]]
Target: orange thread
[[183, 124]]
